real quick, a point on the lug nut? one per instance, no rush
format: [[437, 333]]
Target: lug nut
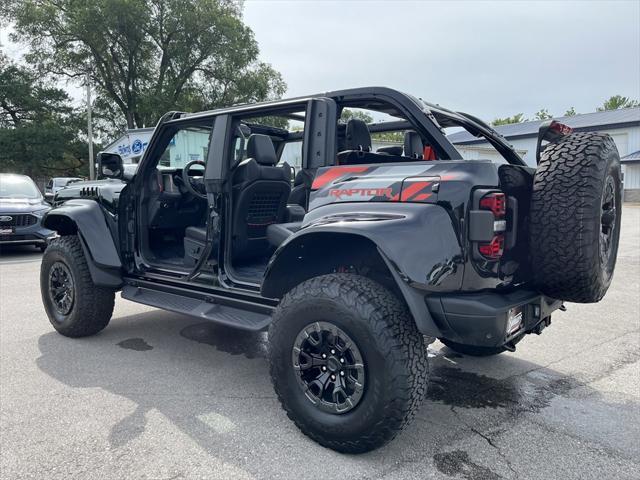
[[342, 360], [333, 352], [333, 377], [324, 355], [342, 374], [324, 369]]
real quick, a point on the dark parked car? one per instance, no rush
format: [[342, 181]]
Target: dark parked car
[[350, 268], [21, 209]]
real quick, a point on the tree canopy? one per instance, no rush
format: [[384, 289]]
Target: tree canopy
[[543, 114], [618, 101], [39, 130], [517, 118], [146, 57]]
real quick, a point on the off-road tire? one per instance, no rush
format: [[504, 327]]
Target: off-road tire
[[472, 350], [568, 217], [92, 306], [393, 351]]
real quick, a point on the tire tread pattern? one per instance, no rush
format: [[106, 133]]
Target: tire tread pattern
[[398, 338], [94, 305], [565, 216]]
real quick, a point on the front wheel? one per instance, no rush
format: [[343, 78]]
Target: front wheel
[[347, 362], [75, 306]]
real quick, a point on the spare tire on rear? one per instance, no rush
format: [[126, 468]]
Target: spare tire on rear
[[575, 217]]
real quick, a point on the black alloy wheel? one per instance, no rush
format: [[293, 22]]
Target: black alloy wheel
[[331, 371], [608, 220], [61, 288]]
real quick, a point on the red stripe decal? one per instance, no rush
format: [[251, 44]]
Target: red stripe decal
[[332, 174], [422, 196], [412, 189]]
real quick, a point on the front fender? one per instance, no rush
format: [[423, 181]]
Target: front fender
[[86, 219]]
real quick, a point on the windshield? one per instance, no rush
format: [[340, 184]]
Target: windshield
[[188, 144], [14, 186]]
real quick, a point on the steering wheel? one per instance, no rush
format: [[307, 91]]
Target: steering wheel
[[195, 187]]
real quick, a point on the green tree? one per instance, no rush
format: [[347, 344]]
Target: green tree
[[39, 129], [348, 114], [618, 101], [517, 118], [571, 112], [146, 57], [543, 114]]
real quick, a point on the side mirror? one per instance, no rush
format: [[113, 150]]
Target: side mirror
[[48, 197], [110, 165]]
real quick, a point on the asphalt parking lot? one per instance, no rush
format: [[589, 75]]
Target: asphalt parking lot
[[162, 396]]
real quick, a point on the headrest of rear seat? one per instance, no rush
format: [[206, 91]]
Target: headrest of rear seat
[[260, 147], [413, 146], [391, 150], [357, 136]]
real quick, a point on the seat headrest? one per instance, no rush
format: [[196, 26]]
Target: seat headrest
[[413, 146], [261, 149], [391, 150], [357, 136]]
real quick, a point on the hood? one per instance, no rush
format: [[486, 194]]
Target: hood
[[22, 205]]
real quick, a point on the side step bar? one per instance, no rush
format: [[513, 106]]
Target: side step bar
[[198, 308]]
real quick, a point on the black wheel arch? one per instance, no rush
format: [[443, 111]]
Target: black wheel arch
[[317, 253], [85, 219]]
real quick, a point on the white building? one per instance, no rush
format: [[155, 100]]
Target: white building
[[131, 144], [631, 169], [623, 125]]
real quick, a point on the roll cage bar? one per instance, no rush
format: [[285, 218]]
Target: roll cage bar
[[429, 119]]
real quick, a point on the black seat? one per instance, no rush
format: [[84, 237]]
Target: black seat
[[302, 187], [394, 150], [357, 145], [196, 233], [279, 232], [260, 194], [413, 146]]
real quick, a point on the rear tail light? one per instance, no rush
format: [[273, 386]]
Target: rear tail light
[[494, 249], [496, 202]]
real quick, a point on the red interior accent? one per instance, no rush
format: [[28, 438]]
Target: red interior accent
[[496, 202], [493, 249], [429, 153]]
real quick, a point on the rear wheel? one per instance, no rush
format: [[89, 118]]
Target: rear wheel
[[75, 306], [575, 217], [347, 362]]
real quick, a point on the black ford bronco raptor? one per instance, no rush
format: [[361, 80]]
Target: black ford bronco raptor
[[379, 239]]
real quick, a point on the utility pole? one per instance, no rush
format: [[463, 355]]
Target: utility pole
[[92, 173]]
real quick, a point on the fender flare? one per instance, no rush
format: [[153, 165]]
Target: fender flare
[[415, 267], [86, 219]]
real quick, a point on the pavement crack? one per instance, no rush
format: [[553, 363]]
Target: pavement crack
[[489, 441]]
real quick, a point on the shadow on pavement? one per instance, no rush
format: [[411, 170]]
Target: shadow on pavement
[[163, 361]]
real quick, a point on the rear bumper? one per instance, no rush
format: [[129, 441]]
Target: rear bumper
[[482, 319]]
